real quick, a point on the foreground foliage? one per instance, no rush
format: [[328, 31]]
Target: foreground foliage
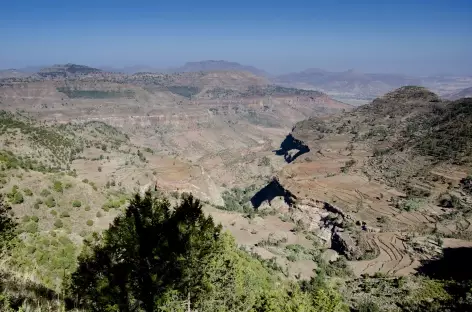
[[188, 260]]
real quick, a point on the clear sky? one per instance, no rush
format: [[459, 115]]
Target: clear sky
[[410, 36]]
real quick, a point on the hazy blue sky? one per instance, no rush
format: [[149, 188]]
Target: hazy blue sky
[[412, 36]]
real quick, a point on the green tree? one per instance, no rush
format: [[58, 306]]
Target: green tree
[[125, 267], [7, 227], [154, 258]]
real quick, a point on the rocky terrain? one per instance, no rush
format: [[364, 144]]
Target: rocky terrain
[[201, 132], [303, 182], [386, 184]]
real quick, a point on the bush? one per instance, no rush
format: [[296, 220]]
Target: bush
[[99, 169], [89, 222], [54, 212], [17, 198], [447, 200], [368, 306], [348, 165], [45, 193], [31, 227], [76, 203], [57, 186], [99, 214], [34, 218], [87, 208], [58, 223], [68, 185], [28, 192], [64, 214], [411, 204], [50, 202], [85, 181]]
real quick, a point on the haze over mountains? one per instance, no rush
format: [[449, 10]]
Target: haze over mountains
[[351, 86]]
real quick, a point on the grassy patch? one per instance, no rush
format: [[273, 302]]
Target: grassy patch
[[47, 257]]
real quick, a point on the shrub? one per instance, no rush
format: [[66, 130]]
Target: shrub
[[99, 214], [54, 212], [68, 185], [368, 306], [28, 192], [76, 203], [89, 222], [64, 214], [50, 202], [58, 223], [99, 169], [87, 208], [36, 206], [45, 193], [411, 204], [383, 219], [18, 198], [348, 165], [34, 218], [85, 181], [447, 200], [31, 227], [57, 186], [25, 219]]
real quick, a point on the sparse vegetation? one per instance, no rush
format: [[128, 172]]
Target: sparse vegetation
[[411, 204], [238, 199]]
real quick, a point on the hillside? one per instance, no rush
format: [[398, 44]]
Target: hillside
[[384, 186], [386, 170], [223, 120]]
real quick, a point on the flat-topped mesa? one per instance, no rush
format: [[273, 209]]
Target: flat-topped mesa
[[66, 70]]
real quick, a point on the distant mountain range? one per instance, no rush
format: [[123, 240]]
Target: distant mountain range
[[201, 66], [350, 84], [210, 65], [347, 83]]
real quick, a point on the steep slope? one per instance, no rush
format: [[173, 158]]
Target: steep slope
[[224, 120], [396, 166]]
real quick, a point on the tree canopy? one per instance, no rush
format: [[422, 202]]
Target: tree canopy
[[155, 258]]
